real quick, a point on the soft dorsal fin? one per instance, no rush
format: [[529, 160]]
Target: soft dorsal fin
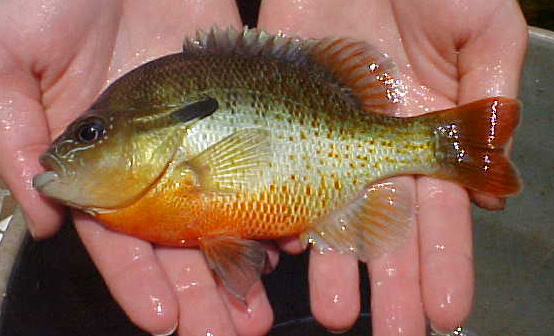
[[370, 75]]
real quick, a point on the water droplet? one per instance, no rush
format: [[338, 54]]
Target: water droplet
[[440, 247], [158, 305], [185, 286], [336, 298], [209, 333], [391, 270], [136, 253]]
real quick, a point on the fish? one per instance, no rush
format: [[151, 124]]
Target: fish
[[245, 136]]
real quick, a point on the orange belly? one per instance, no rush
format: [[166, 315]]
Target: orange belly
[[178, 216]]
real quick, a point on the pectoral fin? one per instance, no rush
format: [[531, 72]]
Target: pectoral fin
[[234, 162], [237, 262]]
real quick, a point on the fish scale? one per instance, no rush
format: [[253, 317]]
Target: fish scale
[[308, 155]]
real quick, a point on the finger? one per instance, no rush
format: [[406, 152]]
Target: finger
[[201, 309], [291, 245], [334, 289], [272, 256], [253, 318], [256, 316], [395, 285], [490, 65], [487, 201], [150, 29], [369, 20], [23, 137], [446, 252], [133, 275], [490, 61]]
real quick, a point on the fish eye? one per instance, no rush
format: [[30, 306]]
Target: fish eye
[[90, 131]]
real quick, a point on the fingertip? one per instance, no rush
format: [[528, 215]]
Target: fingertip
[[334, 289], [43, 217], [446, 253], [254, 318], [448, 291], [46, 226], [202, 310], [133, 275], [487, 201], [146, 298], [396, 299], [168, 332], [147, 301], [291, 245], [272, 257]]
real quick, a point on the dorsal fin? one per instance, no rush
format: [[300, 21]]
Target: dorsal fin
[[369, 74], [249, 43]]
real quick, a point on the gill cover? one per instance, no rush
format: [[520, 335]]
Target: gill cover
[[120, 167]]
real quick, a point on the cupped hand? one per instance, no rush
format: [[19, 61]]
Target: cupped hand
[[449, 53], [55, 58]]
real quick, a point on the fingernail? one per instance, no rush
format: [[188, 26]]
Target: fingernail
[[455, 332], [170, 332], [338, 332]]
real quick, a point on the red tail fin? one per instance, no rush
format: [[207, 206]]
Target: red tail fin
[[472, 145]]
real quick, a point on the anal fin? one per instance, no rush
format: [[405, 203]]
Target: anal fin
[[238, 262], [375, 222]]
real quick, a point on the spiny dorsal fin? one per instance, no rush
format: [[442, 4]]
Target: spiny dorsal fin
[[249, 43], [370, 75]]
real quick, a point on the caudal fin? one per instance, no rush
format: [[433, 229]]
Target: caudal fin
[[472, 145]]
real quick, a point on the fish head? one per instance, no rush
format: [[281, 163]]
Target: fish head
[[107, 159]]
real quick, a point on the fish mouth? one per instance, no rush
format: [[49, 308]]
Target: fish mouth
[[54, 169], [51, 162], [40, 181]]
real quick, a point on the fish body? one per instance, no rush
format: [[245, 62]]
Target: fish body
[[248, 136], [313, 162]]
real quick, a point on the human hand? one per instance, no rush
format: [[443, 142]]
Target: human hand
[[55, 58], [450, 53]]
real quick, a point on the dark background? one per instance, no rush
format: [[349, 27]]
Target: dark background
[[56, 290]]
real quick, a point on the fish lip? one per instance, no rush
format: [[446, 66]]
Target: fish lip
[[51, 162], [40, 181], [54, 169]]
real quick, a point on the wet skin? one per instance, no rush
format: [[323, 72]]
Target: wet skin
[[46, 82]]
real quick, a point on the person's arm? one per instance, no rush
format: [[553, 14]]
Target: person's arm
[[451, 52]]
